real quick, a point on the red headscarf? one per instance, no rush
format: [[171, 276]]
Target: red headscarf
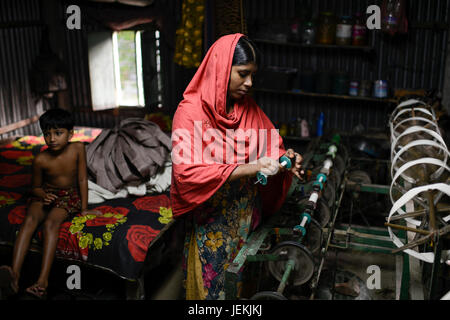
[[195, 180]]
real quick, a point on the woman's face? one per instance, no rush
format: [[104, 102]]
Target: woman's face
[[241, 80]]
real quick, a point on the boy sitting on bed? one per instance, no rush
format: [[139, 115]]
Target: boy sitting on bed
[[59, 191]]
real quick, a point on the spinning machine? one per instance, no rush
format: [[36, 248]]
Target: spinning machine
[[287, 254], [419, 190], [292, 244]]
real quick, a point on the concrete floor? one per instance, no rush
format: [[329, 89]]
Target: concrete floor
[[358, 263], [172, 286]]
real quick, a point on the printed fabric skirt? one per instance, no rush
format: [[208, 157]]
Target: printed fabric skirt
[[216, 231], [67, 199]]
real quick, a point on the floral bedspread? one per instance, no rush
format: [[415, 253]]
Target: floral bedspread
[[118, 240]]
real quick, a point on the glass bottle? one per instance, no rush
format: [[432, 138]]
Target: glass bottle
[[359, 31], [344, 31], [392, 16], [326, 29], [308, 33]]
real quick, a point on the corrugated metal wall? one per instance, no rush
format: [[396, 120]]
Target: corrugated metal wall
[[21, 25], [413, 61], [416, 60], [20, 33], [78, 65]]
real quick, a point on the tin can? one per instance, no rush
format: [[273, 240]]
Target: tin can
[[365, 88], [353, 90], [380, 89]]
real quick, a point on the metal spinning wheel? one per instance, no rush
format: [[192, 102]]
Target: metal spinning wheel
[[296, 259], [420, 177]]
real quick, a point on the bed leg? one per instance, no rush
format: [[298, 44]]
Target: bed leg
[[135, 289]]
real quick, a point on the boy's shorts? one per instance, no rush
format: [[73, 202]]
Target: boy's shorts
[[68, 199]]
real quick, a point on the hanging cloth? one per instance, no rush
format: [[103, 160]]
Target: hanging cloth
[[188, 42]]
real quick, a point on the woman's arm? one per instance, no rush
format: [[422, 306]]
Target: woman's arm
[[244, 170], [265, 164]]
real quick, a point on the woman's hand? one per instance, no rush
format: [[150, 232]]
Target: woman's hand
[[268, 166], [296, 160], [49, 198]]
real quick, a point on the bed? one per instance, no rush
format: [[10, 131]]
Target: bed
[[128, 239]]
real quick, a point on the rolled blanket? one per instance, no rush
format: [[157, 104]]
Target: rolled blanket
[[127, 155]]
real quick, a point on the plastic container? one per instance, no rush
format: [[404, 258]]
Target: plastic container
[[305, 129], [353, 88], [323, 82], [292, 127], [326, 29], [392, 16], [295, 28], [340, 83], [365, 88], [284, 130], [344, 31], [307, 81], [359, 33], [276, 78]]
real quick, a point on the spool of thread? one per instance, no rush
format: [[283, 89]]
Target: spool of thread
[[262, 178]]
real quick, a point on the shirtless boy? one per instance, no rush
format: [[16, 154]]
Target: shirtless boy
[[59, 191]]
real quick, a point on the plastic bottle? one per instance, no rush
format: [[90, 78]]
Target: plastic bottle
[[305, 129], [283, 130], [308, 33], [320, 125]]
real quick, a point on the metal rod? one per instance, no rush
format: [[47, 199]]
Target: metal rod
[[432, 211], [289, 267], [413, 244], [397, 226], [315, 281], [409, 215], [420, 213]]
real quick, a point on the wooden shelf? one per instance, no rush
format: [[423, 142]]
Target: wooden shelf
[[294, 138], [318, 46], [323, 95]]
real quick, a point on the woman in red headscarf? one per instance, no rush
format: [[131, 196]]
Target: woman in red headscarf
[[221, 139]]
